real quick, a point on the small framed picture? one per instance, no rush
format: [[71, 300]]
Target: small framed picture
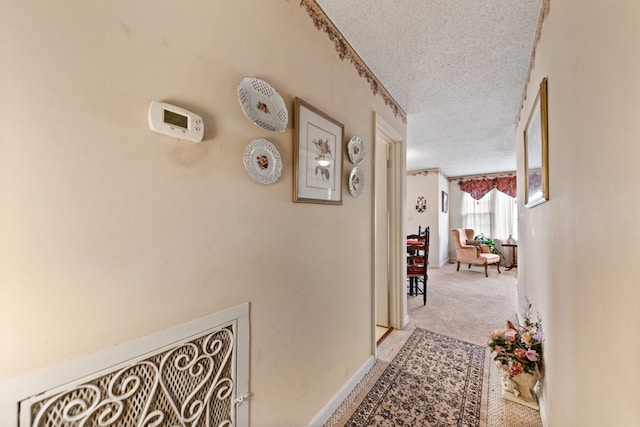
[[317, 156], [445, 202]]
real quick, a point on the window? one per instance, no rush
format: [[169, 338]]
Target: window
[[495, 215]]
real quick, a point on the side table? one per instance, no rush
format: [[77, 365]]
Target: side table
[[514, 254]]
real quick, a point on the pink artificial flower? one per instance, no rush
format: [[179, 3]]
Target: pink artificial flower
[[516, 369], [510, 334], [532, 355], [498, 333], [526, 338]]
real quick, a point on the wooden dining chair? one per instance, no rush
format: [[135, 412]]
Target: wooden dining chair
[[417, 264]]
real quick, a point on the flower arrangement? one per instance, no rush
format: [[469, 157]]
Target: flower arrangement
[[519, 348]]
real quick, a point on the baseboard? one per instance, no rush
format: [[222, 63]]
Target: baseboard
[[543, 411], [323, 416], [543, 416]]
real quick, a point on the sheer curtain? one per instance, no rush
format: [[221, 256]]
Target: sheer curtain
[[495, 215]]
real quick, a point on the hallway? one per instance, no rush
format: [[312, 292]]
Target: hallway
[[467, 306]]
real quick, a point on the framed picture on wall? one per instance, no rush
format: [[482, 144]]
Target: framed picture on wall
[[445, 202], [536, 152], [317, 156]]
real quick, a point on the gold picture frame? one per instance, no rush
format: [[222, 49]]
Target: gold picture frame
[[445, 202], [536, 151], [317, 156]]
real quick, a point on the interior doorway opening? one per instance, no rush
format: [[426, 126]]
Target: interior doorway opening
[[390, 305]]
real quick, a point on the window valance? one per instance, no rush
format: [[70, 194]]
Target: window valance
[[480, 186]]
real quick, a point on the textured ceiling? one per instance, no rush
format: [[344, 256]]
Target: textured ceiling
[[457, 67]]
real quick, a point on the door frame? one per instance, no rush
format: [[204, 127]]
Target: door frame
[[395, 167]]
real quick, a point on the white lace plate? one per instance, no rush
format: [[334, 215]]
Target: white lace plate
[[262, 161], [262, 104], [356, 181], [355, 147]]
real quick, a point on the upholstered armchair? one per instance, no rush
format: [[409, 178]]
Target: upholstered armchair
[[472, 253]]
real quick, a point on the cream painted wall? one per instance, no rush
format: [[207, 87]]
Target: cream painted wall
[[443, 223], [430, 185], [111, 232], [578, 250], [423, 186], [455, 215]]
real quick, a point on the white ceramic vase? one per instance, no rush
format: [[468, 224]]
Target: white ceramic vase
[[519, 389]]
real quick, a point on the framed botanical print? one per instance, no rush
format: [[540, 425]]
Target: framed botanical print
[[317, 156]]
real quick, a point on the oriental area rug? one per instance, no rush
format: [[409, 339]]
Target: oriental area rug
[[433, 380]]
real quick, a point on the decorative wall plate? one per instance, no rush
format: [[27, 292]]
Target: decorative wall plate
[[262, 161], [356, 181], [355, 147], [262, 104]]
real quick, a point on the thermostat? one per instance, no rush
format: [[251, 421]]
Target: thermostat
[[175, 121]]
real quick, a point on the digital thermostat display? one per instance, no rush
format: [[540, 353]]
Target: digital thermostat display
[[175, 121]]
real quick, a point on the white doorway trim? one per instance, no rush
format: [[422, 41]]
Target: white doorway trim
[[389, 222]]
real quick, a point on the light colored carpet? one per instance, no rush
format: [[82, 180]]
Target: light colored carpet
[[467, 306]]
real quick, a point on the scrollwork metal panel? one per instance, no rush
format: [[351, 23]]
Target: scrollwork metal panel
[[188, 384]]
